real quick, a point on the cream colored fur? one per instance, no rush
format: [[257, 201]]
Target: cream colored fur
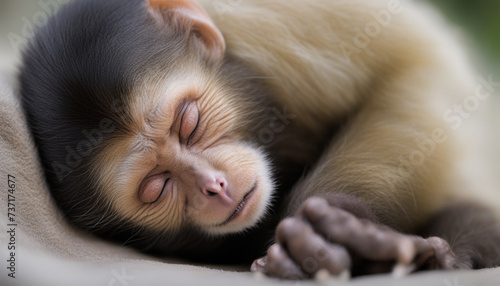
[[396, 83]]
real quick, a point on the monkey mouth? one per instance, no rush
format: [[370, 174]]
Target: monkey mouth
[[241, 205]]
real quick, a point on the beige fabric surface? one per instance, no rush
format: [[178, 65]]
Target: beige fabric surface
[[49, 251]]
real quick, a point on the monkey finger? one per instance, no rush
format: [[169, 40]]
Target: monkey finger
[[363, 237], [309, 250], [437, 251], [279, 264], [259, 265]]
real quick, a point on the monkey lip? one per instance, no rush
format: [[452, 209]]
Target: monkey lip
[[241, 205]]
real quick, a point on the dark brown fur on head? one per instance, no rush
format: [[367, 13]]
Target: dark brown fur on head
[[77, 78]]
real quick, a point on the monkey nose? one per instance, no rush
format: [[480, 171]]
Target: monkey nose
[[214, 185]]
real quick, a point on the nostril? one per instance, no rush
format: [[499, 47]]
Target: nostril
[[221, 182], [211, 194], [212, 184]]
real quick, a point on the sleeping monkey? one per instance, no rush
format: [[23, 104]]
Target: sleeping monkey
[[306, 132]]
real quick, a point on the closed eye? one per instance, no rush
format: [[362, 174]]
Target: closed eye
[[189, 123], [152, 188]]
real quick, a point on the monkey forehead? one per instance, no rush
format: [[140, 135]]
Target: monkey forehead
[[153, 103]]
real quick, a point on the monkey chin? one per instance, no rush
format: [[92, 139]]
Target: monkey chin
[[252, 208]]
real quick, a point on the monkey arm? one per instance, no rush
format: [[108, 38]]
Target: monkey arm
[[383, 176], [386, 172], [393, 157]]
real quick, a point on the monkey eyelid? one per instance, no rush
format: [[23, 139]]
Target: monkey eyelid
[[181, 110], [162, 191], [146, 181], [194, 130], [186, 106]]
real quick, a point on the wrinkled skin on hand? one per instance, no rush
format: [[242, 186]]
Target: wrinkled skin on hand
[[323, 237]]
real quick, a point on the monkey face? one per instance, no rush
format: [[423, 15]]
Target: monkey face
[[179, 149], [188, 158]]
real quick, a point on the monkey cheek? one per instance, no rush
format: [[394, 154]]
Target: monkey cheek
[[258, 204]]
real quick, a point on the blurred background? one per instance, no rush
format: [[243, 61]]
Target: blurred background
[[479, 19]]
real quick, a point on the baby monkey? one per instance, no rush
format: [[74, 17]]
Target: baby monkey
[[205, 130]]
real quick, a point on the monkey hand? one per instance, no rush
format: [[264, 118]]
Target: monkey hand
[[321, 239]]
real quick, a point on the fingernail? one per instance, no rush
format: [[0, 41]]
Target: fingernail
[[258, 265]]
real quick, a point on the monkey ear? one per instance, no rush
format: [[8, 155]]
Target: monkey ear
[[188, 12]]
